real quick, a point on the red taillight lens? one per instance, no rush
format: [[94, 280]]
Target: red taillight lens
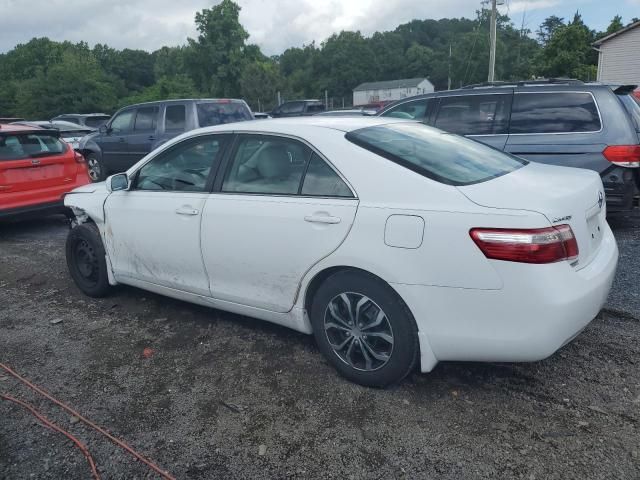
[[623, 155], [540, 245], [79, 158]]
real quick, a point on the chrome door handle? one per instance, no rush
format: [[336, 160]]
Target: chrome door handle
[[321, 219], [186, 210]]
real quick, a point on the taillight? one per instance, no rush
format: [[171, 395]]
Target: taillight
[[623, 155], [540, 245], [79, 158]]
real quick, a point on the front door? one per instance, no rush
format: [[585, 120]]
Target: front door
[[153, 229], [113, 143], [280, 209], [140, 140]]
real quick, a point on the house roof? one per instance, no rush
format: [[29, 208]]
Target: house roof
[[615, 34], [389, 84]]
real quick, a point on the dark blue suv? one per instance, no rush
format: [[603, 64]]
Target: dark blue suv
[[560, 122]]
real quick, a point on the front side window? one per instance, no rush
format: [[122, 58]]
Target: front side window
[[322, 181], [216, 113], [184, 167], [122, 121], [268, 165], [474, 114], [554, 112], [29, 145], [415, 110], [443, 157], [175, 117], [146, 118]]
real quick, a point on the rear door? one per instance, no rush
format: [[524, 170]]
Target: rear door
[[483, 117], [174, 122], [269, 221]]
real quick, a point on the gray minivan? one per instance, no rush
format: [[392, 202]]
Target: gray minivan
[[560, 122], [136, 130]]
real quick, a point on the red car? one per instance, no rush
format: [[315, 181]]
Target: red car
[[36, 169]]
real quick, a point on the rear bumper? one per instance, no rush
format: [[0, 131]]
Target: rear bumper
[[621, 186], [34, 210], [540, 309]]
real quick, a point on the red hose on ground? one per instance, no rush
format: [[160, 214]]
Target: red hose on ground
[[120, 443], [53, 426]]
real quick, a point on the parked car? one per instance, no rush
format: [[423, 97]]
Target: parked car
[[10, 119], [261, 115], [136, 130], [298, 108], [69, 132], [558, 122], [36, 170], [394, 243], [347, 112], [93, 120]]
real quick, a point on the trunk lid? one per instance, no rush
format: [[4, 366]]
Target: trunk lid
[[34, 160], [571, 196]]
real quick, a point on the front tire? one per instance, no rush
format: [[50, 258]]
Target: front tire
[[86, 260], [95, 167], [364, 329]]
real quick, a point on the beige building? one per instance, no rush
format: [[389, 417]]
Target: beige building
[[619, 56], [391, 90]]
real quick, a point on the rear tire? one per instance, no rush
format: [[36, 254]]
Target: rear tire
[[364, 329], [86, 260], [95, 167]]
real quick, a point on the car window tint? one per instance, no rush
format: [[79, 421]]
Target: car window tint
[[473, 114], [95, 122], [175, 116], [185, 167], [632, 105], [321, 180], [267, 164], [315, 108], [216, 113], [122, 121], [559, 112], [29, 145], [416, 110], [292, 107], [146, 119], [443, 157]]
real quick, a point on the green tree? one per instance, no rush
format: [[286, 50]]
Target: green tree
[[167, 87], [615, 25], [548, 28], [419, 61], [216, 58], [259, 84]]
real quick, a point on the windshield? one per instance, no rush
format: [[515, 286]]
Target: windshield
[[443, 157], [29, 145], [215, 113], [633, 108]]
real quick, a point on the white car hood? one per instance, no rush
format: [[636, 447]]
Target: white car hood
[[98, 187]]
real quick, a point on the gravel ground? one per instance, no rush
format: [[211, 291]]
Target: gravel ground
[[228, 397]]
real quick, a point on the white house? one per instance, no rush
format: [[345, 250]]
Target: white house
[[619, 56], [391, 90]]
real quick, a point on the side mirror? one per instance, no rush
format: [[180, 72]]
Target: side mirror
[[103, 129], [117, 182]]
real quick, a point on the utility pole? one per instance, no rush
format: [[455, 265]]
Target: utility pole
[[492, 41]]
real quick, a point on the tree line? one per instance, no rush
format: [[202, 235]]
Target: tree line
[[42, 78]]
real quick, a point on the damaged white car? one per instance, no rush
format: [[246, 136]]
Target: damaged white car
[[395, 244]]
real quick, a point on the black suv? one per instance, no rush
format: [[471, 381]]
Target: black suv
[[93, 120], [298, 108], [559, 122], [136, 130]]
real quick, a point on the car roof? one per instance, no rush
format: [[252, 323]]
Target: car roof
[[291, 125], [82, 115], [18, 128], [182, 100]]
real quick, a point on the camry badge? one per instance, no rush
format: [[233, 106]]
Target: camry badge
[[600, 199]]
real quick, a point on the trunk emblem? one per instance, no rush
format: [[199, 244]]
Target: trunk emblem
[[600, 199], [35, 161]]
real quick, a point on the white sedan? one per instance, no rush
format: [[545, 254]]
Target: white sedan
[[393, 243]]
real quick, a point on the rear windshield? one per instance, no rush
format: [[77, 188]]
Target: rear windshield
[[633, 108], [443, 157], [96, 121], [216, 113], [29, 145]]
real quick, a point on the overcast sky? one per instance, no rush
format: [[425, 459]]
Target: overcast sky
[[273, 24]]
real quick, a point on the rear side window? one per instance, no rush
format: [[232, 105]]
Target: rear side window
[[215, 113], [415, 110], [29, 145], [554, 112], [443, 157], [175, 117], [633, 109], [322, 181], [315, 107], [146, 119], [292, 107], [96, 121], [474, 114]]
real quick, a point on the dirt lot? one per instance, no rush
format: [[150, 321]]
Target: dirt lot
[[230, 397]]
